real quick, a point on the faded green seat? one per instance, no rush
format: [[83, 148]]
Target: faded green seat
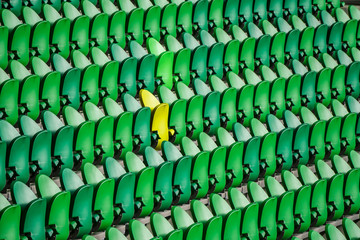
[[182, 220], [162, 228]]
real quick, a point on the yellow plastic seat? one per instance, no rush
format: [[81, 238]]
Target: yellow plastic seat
[[147, 99]]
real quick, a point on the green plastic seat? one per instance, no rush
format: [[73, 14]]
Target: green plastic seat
[[4, 45], [146, 66], [313, 235], [320, 40], [40, 34], [34, 209], [17, 162], [104, 145], [117, 22], [20, 35], [124, 190], [231, 218], [114, 234], [292, 44], [285, 136], [145, 183], [268, 162], [9, 95], [245, 12], [211, 106], [60, 27], [250, 213], [212, 224], [290, 7], [81, 204], [276, 9], [215, 54], [181, 59], [217, 165], [254, 31], [333, 129], [49, 98], [302, 210], [234, 80], [182, 172], [267, 212], [285, 209], [261, 100], [319, 212], [162, 228], [317, 135], [194, 113], [335, 189], [200, 167], [182, 220], [260, 10], [9, 219], [151, 20], [141, 122], [29, 86], [80, 28], [62, 142], [333, 233], [103, 196], [139, 231], [231, 12], [352, 86], [200, 15], [163, 179], [177, 114], [216, 11], [199, 56], [84, 137], [70, 81], [354, 12], [351, 229], [251, 159], [247, 54], [58, 207], [335, 39], [184, 16], [40, 152], [351, 196], [228, 103], [301, 138], [89, 82], [108, 78]]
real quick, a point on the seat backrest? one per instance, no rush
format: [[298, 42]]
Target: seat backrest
[[46, 187], [113, 168], [70, 181], [152, 157], [91, 174]]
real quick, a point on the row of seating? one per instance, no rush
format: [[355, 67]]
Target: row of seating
[[291, 206], [36, 32], [350, 231]]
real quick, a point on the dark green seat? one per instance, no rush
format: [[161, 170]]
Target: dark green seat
[[162, 228], [41, 142], [81, 204], [33, 209], [9, 94], [182, 172], [124, 190], [163, 184], [212, 224], [261, 100], [80, 28], [335, 187], [139, 231], [141, 123], [247, 54], [9, 220], [199, 168], [181, 219], [70, 81], [17, 162], [217, 166], [104, 131], [146, 66], [250, 213], [231, 12], [58, 207], [302, 207], [319, 211], [49, 98], [285, 209], [108, 79], [103, 211], [268, 210], [352, 176], [231, 218], [251, 160], [29, 89], [245, 106], [200, 15], [215, 53], [62, 142], [260, 10], [89, 82], [145, 183], [84, 135]]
